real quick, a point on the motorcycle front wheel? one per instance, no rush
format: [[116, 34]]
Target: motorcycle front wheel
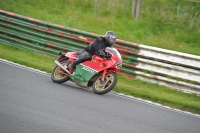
[[58, 75], [101, 87]]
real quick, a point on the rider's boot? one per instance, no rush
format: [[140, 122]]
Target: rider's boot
[[71, 66], [71, 70]]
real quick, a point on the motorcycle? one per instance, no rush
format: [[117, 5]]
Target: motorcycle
[[99, 73]]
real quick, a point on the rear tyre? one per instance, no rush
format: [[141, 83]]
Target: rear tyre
[[58, 75], [101, 87]]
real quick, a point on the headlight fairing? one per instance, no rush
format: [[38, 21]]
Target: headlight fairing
[[118, 65]]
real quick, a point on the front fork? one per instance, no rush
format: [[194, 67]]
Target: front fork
[[104, 74]]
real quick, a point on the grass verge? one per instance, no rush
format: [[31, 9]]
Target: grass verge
[[136, 88]]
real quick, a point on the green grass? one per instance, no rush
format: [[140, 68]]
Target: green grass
[[30, 59], [136, 88], [159, 24]]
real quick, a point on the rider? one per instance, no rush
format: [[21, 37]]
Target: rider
[[96, 48]]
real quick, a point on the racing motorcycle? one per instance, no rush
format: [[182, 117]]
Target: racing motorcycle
[[99, 73]]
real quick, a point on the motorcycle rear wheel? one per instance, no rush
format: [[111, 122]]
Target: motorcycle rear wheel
[[58, 75], [101, 87]]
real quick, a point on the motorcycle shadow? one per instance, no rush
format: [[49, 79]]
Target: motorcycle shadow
[[71, 85]]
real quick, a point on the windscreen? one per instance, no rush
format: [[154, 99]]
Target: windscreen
[[114, 51]]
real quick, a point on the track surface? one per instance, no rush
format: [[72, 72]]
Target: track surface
[[31, 103]]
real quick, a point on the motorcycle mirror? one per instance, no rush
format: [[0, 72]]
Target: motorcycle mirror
[[60, 53]]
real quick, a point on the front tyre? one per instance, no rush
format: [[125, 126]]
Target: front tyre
[[58, 75], [101, 87]]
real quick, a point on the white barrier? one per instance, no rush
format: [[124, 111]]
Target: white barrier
[[175, 70], [169, 56]]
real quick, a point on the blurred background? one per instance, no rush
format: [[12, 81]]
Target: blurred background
[[169, 24]]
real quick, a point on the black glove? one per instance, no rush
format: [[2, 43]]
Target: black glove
[[108, 56]]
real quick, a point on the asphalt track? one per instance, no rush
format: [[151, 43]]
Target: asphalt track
[[31, 103]]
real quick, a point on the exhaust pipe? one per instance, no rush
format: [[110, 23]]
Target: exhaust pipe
[[60, 65]]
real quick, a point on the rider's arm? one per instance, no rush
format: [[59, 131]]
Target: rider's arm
[[101, 53], [98, 48]]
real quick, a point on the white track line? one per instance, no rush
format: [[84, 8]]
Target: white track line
[[112, 92]]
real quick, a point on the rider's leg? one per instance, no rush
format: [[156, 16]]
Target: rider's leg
[[84, 56]]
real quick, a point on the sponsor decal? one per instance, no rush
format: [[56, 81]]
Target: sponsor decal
[[88, 69]]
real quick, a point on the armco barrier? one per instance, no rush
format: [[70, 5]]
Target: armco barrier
[[169, 68], [172, 69]]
